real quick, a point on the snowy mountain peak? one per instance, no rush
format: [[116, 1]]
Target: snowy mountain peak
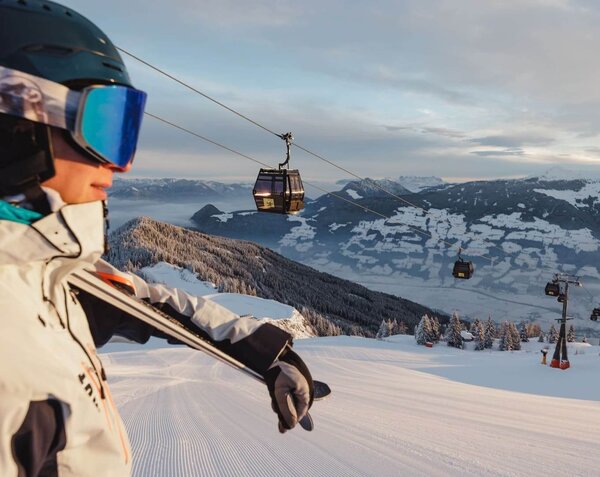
[[558, 173], [419, 183]]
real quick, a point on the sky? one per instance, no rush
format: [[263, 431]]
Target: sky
[[459, 89]]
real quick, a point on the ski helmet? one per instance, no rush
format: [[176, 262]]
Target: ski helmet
[[46, 40]]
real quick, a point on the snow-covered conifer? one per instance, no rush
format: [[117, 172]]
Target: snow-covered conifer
[[541, 338], [489, 333], [424, 330], [453, 336], [571, 336], [479, 335], [552, 334], [394, 328], [435, 329], [383, 331], [506, 338], [515, 336], [402, 328], [523, 335]]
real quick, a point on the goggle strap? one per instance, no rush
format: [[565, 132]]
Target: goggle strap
[[37, 99]]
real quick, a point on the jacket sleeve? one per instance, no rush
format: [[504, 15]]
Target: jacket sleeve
[[246, 339]]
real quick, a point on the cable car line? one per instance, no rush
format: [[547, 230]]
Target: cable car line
[[195, 90], [367, 209], [204, 138], [462, 269], [204, 95], [460, 264], [188, 86]]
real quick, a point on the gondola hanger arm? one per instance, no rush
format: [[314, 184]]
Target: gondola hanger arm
[[288, 138]]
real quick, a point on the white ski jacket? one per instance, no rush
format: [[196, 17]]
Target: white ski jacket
[[57, 416]]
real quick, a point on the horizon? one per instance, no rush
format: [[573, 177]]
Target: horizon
[[574, 174]]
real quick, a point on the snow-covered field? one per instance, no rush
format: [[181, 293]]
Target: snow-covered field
[[397, 409]]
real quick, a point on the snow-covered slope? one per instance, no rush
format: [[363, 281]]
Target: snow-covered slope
[[284, 316], [397, 409]]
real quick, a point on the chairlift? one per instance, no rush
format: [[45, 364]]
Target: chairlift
[[552, 289], [561, 298], [595, 314], [279, 191], [462, 269]]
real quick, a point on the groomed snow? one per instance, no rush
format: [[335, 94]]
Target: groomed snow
[[397, 409]]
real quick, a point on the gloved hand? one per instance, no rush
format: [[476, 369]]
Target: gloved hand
[[291, 388]]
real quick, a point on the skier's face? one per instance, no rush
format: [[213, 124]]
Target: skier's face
[[78, 179]]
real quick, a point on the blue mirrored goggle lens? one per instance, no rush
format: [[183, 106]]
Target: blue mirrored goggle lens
[[111, 121]]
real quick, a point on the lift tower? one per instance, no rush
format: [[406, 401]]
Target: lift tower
[[559, 287]]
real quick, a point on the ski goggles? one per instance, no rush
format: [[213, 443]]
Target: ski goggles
[[104, 120]]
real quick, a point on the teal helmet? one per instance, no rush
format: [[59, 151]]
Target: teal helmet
[[51, 41]]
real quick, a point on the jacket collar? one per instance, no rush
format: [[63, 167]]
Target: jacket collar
[[74, 234]]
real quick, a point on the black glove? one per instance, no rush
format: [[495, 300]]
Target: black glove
[[291, 388]]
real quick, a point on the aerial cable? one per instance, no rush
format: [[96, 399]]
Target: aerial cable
[[318, 156], [199, 136], [186, 85], [366, 209], [195, 90]]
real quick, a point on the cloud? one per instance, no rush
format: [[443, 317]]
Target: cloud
[[513, 141], [500, 152], [446, 87], [445, 132]]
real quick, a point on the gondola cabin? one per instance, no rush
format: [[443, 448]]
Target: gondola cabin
[[552, 289], [595, 314], [279, 191], [561, 298], [463, 269]]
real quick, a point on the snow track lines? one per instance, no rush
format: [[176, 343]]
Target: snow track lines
[[392, 412]]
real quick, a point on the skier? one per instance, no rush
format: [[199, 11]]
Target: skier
[[69, 119]]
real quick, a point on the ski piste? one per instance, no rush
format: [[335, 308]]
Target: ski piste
[[121, 297]]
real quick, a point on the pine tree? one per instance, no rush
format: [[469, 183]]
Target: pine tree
[[402, 328], [571, 337], [552, 334], [479, 335], [533, 330], [506, 338], [453, 336], [489, 333], [395, 329], [541, 338], [515, 336], [523, 335], [435, 329], [383, 331], [423, 331]]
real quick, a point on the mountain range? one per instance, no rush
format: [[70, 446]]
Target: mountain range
[[518, 233]]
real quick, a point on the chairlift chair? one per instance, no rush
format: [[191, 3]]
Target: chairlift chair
[[595, 314], [552, 289], [561, 298], [279, 191]]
